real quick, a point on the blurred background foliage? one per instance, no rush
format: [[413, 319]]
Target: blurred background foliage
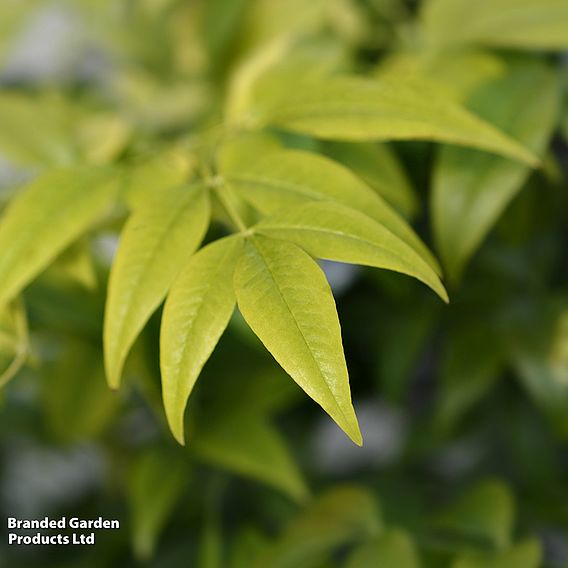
[[464, 408]]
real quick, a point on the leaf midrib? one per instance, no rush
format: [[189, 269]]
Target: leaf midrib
[[259, 253]]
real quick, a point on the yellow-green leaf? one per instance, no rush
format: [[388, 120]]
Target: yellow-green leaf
[[357, 109], [155, 245], [284, 297], [472, 188], [334, 232], [281, 179], [197, 311], [521, 24], [393, 549], [379, 167], [46, 217]]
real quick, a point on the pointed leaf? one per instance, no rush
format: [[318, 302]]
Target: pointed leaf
[[247, 445], [155, 245], [196, 313], [281, 179], [45, 218], [285, 298], [354, 109], [334, 232], [471, 188], [156, 481], [394, 548], [485, 513]]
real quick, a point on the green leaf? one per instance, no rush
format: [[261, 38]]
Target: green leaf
[[521, 24], [36, 138], [197, 311], [248, 445], [156, 243], [471, 188], [285, 298], [14, 340], [394, 548], [345, 514], [485, 513], [356, 109], [281, 179], [334, 232], [526, 554], [77, 402], [379, 167], [156, 482], [52, 212]]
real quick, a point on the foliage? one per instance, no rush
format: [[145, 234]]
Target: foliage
[[229, 150]]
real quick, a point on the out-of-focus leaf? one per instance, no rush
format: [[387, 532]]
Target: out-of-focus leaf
[[343, 515], [77, 265], [102, 137], [521, 24], [285, 298], [37, 138], [196, 313], [14, 340], [78, 404], [471, 362], [357, 109], [526, 554], [485, 514], [286, 178], [156, 482], [333, 232], [148, 176], [248, 445], [540, 356], [13, 14], [471, 188], [394, 548], [248, 545], [377, 165], [457, 72], [157, 242], [48, 216]]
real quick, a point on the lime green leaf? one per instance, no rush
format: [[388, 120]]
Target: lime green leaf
[[334, 232], [285, 178], [356, 109], [102, 137], [379, 167], [149, 175], [485, 513], [246, 444], [155, 245], [37, 138], [345, 514], [77, 402], [526, 554], [46, 217], [394, 548], [285, 298], [156, 481], [522, 24], [472, 188], [196, 313]]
